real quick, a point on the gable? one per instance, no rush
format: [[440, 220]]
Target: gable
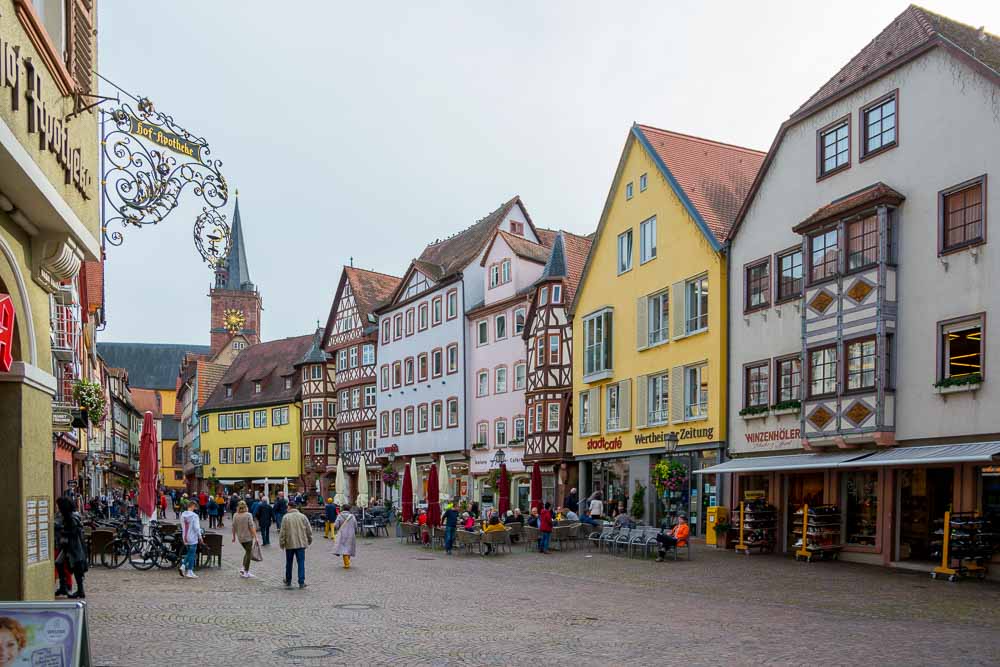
[[347, 318], [416, 284]]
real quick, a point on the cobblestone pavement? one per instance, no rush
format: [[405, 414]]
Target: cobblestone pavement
[[401, 604]]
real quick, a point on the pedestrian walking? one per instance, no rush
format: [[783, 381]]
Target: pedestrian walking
[[545, 528], [191, 533], [294, 536], [330, 510], [450, 522], [234, 502], [244, 531], [596, 506], [220, 514], [203, 505], [264, 515], [280, 508], [72, 557], [345, 529], [162, 514], [213, 512]]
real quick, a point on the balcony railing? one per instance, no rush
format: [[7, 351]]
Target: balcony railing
[[66, 376], [65, 334]]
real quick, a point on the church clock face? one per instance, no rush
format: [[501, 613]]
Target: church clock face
[[234, 320]]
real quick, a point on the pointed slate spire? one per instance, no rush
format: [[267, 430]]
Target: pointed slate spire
[[555, 267], [315, 353], [237, 273]]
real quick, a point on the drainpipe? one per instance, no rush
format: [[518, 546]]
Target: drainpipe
[[720, 490], [465, 394]]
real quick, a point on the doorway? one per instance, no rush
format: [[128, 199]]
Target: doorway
[[924, 495], [803, 489]]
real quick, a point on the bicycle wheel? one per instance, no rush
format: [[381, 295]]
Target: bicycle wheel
[[115, 554], [166, 558], [142, 556]]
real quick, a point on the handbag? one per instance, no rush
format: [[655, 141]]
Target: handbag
[[255, 553]]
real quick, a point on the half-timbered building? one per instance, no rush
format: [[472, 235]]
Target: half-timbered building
[[861, 268], [350, 339], [548, 338], [424, 348], [497, 372], [318, 416]]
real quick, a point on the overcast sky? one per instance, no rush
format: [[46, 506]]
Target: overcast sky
[[366, 130]]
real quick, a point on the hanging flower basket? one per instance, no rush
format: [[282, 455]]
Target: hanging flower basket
[[669, 476], [90, 397], [389, 477]]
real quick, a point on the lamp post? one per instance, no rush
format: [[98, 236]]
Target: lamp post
[[498, 459], [392, 466], [669, 448]]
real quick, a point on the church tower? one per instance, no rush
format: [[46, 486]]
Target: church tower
[[236, 303]]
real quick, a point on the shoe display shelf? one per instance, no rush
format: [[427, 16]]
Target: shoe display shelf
[[819, 531], [757, 523], [967, 545]]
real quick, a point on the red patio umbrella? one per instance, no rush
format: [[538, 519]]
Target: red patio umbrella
[[407, 495], [536, 487], [147, 467], [433, 503], [504, 490]]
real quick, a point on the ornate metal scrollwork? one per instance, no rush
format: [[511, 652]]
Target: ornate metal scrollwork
[[149, 160]]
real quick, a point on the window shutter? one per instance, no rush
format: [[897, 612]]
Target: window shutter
[[641, 327], [678, 314], [80, 43], [641, 402], [595, 411], [677, 394], [625, 404]]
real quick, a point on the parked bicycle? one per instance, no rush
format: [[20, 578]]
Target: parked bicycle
[[128, 538], [159, 549]]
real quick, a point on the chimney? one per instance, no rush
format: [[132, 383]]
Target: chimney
[[982, 33]]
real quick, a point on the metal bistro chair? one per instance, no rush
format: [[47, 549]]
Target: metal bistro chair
[[596, 538], [411, 532], [622, 540], [608, 538], [381, 525], [638, 540]]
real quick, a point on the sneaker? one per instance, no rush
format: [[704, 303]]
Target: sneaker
[[659, 560], [243, 572], [249, 575], [190, 575], [303, 585], [288, 583]]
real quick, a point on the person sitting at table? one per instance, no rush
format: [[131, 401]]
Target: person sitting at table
[[518, 517], [673, 539], [508, 517], [468, 523], [587, 519], [493, 526], [570, 515], [623, 520], [533, 518]]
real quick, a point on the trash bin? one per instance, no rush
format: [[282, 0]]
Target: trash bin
[[715, 515]]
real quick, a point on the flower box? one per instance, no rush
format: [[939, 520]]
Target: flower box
[[785, 411], [754, 415], [957, 388], [479, 445]]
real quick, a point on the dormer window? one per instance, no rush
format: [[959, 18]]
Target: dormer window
[[229, 391], [505, 271], [288, 383], [517, 227], [557, 294], [256, 387], [543, 296], [316, 372], [239, 345], [494, 275]]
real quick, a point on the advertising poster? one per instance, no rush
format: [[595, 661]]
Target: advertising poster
[[43, 634]]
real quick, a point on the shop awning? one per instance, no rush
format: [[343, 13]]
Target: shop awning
[[976, 452], [786, 462]]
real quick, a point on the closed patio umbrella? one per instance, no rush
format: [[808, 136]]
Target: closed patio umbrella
[[340, 483], [407, 499], [443, 482], [433, 504], [362, 484], [415, 474], [504, 490], [536, 487], [148, 471]]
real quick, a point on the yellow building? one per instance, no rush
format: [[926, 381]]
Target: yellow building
[[250, 427], [649, 321]]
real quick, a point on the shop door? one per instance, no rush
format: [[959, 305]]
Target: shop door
[[925, 494], [805, 489], [524, 495]]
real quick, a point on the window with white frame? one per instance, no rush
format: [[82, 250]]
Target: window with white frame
[[408, 370], [436, 311], [543, 295], [519, 317], [331, 409], [500, 325], [557, 293], [383, 422], [962, 349], [505, 271], [368, 354], [597, 342], [354, 356], [408, 420], [647, 240], [281, 451], [642, 183], [204, 424], [384, 372], [288, 383], [482, 433], [696, 392], [256, 387], [452, 304], [260, 418], [519, 429], [483, 383], [225, 455], [658, 318], [317, 409], [370, 396], [696, 304], [494, 275], [357, 440], [520, 372], [369, 438], [658, 391], [397, 421], [342, 360], [552, 421], [355, 398], [584, 407], [613, 402], [316, 372], [436, 363], [260, 454], [628, 190], [500, 384], [483, 332], [279, 416], [422, 417], [421, 367], [242, 454], [453, 358], [422, 316], [437, 408], [625, 251], [500, 432], [385, 332], [345, 400]]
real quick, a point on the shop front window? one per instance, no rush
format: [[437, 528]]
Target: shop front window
[[860, 508]]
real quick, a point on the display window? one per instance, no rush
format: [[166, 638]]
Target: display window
[[860, 506]]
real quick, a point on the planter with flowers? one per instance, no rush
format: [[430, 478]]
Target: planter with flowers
[[670, 476], [90, 397], [389, 477]]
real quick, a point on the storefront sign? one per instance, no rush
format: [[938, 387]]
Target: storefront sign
[[55, 634], [770, 440], [161, 137], [605, 444], [483, 463], [6, 332], [683, 434], [49, 125], [388, 449]]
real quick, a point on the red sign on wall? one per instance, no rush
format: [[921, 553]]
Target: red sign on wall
[[6, 332]]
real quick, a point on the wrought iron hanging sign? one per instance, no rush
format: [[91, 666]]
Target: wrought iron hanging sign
[[148, 161]]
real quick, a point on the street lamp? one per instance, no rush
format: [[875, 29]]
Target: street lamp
[[670, 444], [499, 458]]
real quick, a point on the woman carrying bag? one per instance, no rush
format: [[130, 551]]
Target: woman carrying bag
[[344, 543], [245, 531]]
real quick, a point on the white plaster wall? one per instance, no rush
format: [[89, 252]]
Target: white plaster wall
[[949, 132]]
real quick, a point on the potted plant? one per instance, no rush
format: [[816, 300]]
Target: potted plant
[[638, 507], [754, 412], [389, 476], [479, 445], [516, 442], [90, 397], [952, 385], [786, 408], [722, 533], [669, 476]]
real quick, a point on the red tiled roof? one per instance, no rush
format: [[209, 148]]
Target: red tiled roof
[[714, 176], [209, 375], [838, 208], [576, 248], [279, 356], [370, 289], [147, 400], [914, 28], [522, 247]]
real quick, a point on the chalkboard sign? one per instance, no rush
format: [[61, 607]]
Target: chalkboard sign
[[45, 634]]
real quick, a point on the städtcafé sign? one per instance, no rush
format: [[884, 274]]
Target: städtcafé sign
[[17, 74]]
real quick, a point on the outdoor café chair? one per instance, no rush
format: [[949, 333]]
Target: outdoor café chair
[[622, 539], [468, 540], [598, 536], [497, 539], [608, 539], [381, 525], [638, 540], [211, 551], [530, 537], [515, 530]]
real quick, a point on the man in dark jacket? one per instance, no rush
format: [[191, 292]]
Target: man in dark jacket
[[280, 508], [234, 503], [572, 501], [330, 511], [545, 528], [264, 514]]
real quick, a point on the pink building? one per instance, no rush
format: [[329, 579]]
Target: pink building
[[497, 360]]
